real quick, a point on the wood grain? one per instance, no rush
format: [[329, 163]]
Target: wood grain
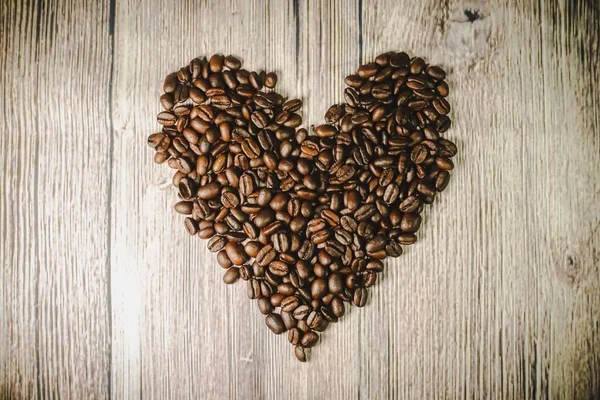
[[103, 294], [54, 224]]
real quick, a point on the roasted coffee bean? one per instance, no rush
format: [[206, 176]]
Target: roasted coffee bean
[[410, 204], [231, 275], [364, 212], [393, 249], [410, 222], [306, 250], [399, 59], [325, 131], [436, 73], [301, 312], [183, 207], [348, 223], [309, 339], [290, 303], [294, 336], [334, 248], [288, 320], [271, 80], [209, 191], [318, 288], [343, 236], [279, 268], [300, 353], [167, 118], [275, 323], [265, 255], [266, 289], [217, 243], [253, 289], [314, 319], [377, 243], [281, 243], [360, 297], [265, 306], [191, 226], [367, 70], [236, 253], [441, 181]]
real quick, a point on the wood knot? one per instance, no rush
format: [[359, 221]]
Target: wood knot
[[472, 15], [570, 271], [470, 35]]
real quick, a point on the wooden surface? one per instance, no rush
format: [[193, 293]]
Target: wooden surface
[[103, 294]]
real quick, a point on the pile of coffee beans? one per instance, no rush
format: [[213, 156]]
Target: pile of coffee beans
[[305, 219]]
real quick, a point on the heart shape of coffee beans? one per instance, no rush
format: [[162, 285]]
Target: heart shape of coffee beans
[[305, 218]]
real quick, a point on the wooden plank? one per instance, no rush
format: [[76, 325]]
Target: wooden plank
[[499, 298], [177, 329], [19, 273], [55, 163]]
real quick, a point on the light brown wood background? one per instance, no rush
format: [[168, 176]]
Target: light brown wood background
[[103, 294]]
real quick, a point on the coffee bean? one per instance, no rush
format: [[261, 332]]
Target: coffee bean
[[306, 250], [426, 189], [265, 255], [275, 323], [314, 319], [279, 268], [294, 336], [309, 148], [334, 113], [309, 339], [183, 207], [334, 248], [300, 353], [320, 236], [343, 236], [301, 312], [232, 62], [377, 243], [348, 223], [281, 243], [167, 118], [360, 297], [223, 260], [318, 288], [253, 289], [236, 253], [367, 70], [265, 306], [393, 249], [410, 222], [441, 181], [217, 243], [209, 191], [436, 72], [399, 59], [419, 154], [231, 275], [345, 172], [325, 131], [290, 303], [271, 80], [365, 211], [391, 194], [288, 320]]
